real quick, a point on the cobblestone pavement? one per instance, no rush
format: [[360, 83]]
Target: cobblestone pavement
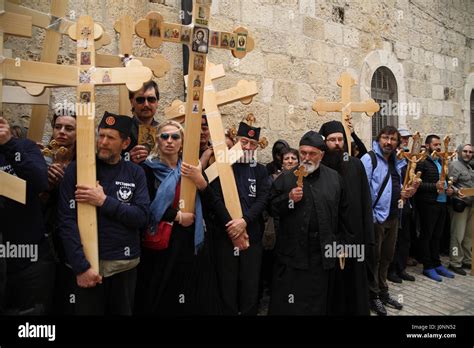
[[425, 296]]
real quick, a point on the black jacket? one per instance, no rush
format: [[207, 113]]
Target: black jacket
[[24, 224], [253, 185], [325, 189], [427, 192], [123, 213]]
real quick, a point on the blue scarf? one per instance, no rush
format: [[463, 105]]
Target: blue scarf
[[164, 198]]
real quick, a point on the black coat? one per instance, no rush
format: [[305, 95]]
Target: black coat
[[351, 291], [427, 192], [325, 189]]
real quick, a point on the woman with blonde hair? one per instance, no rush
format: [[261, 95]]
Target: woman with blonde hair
[[176, 274]]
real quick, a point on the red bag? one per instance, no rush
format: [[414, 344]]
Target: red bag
[[161, 238]]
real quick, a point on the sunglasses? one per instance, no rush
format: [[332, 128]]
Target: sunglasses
[[141, 100], [174, 136]]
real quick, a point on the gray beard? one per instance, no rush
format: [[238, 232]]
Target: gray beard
[[310, 168]]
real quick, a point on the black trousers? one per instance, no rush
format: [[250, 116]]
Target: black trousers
[[238, 276], [113, 297], [3, 280], [432, 219], [64, 290], [402, 249], [31, 289]]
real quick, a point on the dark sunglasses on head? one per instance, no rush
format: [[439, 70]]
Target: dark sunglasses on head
[[174, 136], [141, 100]]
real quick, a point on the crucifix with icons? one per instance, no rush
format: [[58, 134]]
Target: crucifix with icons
[[199, 38]]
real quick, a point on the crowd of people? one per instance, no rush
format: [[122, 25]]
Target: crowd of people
[[327, 246]]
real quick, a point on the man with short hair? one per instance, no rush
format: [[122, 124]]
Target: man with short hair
[[144, 103], [313, 218], [383, 171], [351, 290], [461, 211], [122, 201], [206, 152], [431, 201]]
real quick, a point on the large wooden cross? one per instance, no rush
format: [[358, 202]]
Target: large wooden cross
[[243, 92], [158, 64], [199, 38], [346, 106], [413, 157], [55, 24], [11, 186], [85, 76], [445, 157]]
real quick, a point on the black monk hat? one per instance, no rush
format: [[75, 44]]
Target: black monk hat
[[248, 131], [314, 139], [331, 127], [118, 122]]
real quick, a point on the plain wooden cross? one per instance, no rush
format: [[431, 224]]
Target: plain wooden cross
[[445, 157], [199, 38], [243, 92], [412, 158], [346, 106], [300, 173], [158, 64]]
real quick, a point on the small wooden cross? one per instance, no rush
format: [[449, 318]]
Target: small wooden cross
[[445, 157], [412, 159], [198, 37], [300, 173], [346, 106]]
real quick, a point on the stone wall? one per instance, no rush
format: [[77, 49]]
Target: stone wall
[[302, 46]]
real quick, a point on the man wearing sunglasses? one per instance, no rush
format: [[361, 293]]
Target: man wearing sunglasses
[[144, 104]]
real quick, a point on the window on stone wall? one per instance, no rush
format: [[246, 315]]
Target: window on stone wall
[[384, 92]]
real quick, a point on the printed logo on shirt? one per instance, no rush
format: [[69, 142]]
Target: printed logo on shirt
[[125, 191], [253, 188], [8, 169]]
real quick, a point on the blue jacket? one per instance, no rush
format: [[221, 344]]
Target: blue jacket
[[376, 178]]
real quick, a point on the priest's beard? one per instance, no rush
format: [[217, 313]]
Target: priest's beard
[[334, 159], [310, 166]]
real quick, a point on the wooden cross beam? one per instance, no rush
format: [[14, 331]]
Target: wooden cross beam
[[85, 77], [346, 106], [55, 25], [445, 157], [199, 38], [10, 186], [243, 92], [412, 158], [300, 173], [159, 65]]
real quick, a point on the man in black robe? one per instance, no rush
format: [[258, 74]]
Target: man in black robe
[[312, 223], [350, 296]]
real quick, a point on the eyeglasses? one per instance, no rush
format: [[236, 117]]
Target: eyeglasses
[[174, 136], [141, 100]]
